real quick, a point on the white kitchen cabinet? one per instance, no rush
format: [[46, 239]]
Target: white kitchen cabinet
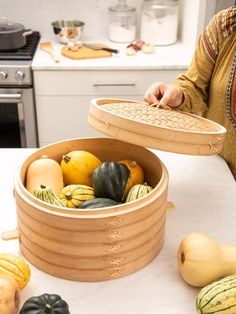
[[63, 97]]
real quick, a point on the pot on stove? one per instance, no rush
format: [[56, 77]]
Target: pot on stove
[[12, 35]]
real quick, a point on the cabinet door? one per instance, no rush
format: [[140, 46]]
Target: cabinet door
[[65, 117]]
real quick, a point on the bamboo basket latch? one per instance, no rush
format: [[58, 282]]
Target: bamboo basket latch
[[10, 235], [169, 206]]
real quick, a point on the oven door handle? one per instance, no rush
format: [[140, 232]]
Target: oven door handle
[[10, 98]]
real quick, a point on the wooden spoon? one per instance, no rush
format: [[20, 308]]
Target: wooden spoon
[[47, 46]]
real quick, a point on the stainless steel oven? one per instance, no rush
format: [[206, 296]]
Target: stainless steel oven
[[18, 126], [17, 118]]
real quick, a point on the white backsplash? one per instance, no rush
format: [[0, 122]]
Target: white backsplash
[[38, 15]]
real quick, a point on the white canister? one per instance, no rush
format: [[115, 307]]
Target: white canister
[[159, 21]]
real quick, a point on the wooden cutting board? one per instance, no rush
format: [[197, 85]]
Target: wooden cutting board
[[85, 53]]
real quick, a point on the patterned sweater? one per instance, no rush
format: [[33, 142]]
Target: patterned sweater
[[209, 85]]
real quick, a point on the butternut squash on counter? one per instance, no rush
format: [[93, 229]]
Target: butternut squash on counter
[[44, 171], [202, 260]]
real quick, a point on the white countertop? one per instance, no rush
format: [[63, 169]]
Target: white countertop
[[203, 191], [176, 56]]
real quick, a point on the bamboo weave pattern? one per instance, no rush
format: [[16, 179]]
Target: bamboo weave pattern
[[142, 112]]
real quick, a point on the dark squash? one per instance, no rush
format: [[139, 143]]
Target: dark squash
[[98, 202], [110, 180], [45, 304]]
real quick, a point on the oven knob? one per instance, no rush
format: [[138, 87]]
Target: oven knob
[[19, 76], [3, 75]]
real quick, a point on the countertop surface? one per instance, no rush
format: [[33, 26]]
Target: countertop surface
[[176, 56], [203, 191]]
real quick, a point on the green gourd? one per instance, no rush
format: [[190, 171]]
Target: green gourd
[[110, 180], [45, 304], [45, 194], [98, 202]]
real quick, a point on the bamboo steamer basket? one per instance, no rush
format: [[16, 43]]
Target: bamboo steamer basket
[[93, 244], [112, 242]]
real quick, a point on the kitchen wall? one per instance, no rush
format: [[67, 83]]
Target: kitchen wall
[[38, 14]]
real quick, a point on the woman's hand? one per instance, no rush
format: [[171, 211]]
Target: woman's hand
[[164, 95]]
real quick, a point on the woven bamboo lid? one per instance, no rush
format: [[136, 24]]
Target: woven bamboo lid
[[163, 129]]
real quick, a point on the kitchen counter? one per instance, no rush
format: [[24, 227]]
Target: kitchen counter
[[203, 191], [177, 56]]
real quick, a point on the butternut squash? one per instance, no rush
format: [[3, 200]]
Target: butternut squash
[[202, 260], [9, 295], [44, 171]]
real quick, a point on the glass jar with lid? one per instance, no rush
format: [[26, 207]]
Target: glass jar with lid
[[159, 21], [122, 28]]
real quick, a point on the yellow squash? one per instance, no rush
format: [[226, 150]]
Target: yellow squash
[[78, 166]]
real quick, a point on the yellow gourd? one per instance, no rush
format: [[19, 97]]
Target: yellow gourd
[[44, 171], [202, 260], [15, 267], [78, 166], [9, 295]]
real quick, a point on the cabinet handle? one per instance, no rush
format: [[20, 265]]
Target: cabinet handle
[[98, 84]]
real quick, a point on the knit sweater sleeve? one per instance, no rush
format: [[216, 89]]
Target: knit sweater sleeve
[[196, 81]]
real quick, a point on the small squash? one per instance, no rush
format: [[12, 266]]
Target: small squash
[[78, 166], [75, 194], [218, 297], [138, 191], [46, 195], [9, 295], [110, 180], [202, 260], [14, 266], [98, 202], [136, 173], [45, 304], [44, 171]]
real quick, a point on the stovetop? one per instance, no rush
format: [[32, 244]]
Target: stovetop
[[25, 53]]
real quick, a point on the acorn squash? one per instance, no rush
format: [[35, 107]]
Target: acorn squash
[[98, 202], [110, 180], [75, 194], [45, 304]]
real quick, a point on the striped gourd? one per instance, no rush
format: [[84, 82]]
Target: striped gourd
[[74, 195], [15, 267], [218, 297], [45, 194], [138, 191]]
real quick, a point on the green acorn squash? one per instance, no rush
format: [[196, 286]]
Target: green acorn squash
[[45, 304], [98, 202], [110, 180]]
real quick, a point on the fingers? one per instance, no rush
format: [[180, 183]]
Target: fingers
[[153, 93], [164, 94]]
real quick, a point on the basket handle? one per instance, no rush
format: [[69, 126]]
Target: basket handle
[[10, 235], [170, 206]]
